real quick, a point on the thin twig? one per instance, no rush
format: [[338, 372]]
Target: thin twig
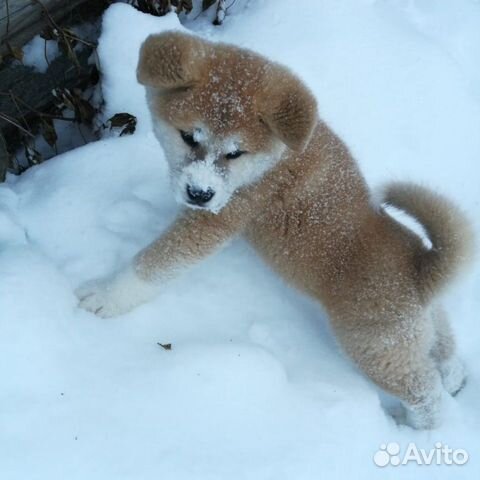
[[65, 34], [71, 53], [12, 96], [45, 53], [16, 165], [8, 16], [230, 6], [201, 11], [47, 13], [57, 117], [34, 110], [28, 5], [72, 36], [8, 119], [81, 133], [221, 13]]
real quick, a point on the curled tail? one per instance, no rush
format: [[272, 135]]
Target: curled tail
[[446, 226]]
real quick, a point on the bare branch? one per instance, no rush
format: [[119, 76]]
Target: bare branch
[[221, 12], [11, 120]]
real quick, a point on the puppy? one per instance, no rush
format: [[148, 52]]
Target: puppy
[[248, 155]]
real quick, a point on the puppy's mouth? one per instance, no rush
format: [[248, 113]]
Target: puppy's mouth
[[206, 208], [194, 205]]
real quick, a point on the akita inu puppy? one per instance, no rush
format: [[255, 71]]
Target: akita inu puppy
[[248, 155]]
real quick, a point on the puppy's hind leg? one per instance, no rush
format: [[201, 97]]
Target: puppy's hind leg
[[420, 390], [443, 352], [403, 369]]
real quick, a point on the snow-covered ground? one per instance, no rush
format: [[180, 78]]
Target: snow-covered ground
[[254, 387]]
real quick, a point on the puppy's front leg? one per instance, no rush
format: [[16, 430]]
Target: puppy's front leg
[[193, 236]]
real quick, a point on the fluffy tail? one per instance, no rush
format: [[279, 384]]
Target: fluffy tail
[[446, 226]]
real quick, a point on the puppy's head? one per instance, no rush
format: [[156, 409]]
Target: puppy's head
[[223, 115]]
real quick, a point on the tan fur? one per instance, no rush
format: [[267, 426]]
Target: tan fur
[[170, 61], [447, 228], [311, 218], [229, 90]]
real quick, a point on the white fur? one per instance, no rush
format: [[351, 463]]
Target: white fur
[[427, 415], [203, 175], [453, 374], [250, 168], [117, 294]]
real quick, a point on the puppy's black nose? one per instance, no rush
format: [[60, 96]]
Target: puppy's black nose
[[199, 196]]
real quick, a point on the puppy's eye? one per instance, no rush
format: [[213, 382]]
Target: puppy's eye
[[233, 155], [189, 139]]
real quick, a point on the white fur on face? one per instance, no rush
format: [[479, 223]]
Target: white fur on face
[[204, 174]]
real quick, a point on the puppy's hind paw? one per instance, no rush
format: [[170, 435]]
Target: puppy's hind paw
[[454, 375]]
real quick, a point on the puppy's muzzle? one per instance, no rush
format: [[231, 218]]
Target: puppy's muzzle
[[199, 197]]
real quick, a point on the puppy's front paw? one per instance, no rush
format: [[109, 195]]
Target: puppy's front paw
[[116, 295], [97, 297]]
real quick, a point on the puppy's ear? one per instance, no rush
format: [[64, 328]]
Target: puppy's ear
[[170, 60], [288, 108]]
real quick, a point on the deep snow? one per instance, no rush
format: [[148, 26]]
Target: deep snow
[[254, 386]]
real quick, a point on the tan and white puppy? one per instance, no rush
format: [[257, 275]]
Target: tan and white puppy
[[248, 155]]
